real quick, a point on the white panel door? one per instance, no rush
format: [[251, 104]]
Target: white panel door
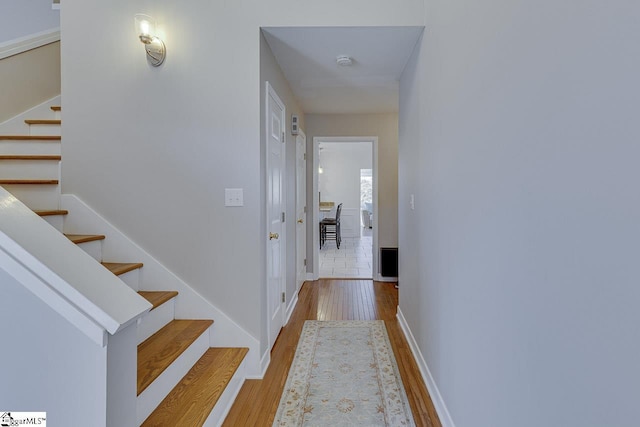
[[301, 214], [275, 208]]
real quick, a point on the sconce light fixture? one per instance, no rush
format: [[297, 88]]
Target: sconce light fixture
[[146, 28], [320, 170]]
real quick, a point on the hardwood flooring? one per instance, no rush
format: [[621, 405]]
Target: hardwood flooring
[[331, 299]]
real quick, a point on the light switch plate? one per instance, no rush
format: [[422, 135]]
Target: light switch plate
[[233, 197]]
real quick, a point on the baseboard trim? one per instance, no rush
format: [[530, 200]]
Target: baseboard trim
[[436, 397], [265, 360], [386, 279], [32, 41], [292, 306]]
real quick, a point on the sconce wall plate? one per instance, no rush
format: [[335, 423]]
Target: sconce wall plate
[[156, 51]]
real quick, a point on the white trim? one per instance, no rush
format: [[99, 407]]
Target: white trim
[[292, 306], [311, 276], [62, 267], [436, 397], [32, 41], [265, 361], [39, 287], [316, 203], [303, 136], [380, 278]]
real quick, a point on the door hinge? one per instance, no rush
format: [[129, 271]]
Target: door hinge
[[282, 216], [283, 137], [305, 262], [283, 297], [305, 209], [305, 156]]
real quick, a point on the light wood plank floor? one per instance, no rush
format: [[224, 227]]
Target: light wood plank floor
[[331, 299]]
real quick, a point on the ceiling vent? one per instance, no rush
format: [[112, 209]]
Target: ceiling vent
[[344, 60]]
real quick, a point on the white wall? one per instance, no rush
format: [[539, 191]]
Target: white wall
[[341, 163], [519, 265], [385, 127], [152, 149], [48, 365], [20, 18], [29, 79]]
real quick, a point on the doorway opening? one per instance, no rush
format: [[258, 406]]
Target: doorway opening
[[349, 166]]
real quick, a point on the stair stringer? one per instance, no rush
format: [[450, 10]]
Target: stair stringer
[[225, 332], [16, 124]]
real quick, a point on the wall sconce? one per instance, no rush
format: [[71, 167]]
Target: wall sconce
[[146, 28], [320, 170]]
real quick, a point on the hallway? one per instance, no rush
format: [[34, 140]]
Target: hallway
[[258, 400]]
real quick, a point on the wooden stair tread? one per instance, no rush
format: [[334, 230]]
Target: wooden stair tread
[[191, 401], [56, 108], [84, 238], [29, 157], [43, 121], [52, 212], [160, 350], [29, 181], [30, 137], [119, 268], [157, 298]]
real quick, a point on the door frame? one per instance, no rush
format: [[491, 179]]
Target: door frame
[[316, 203], [302, 135], [270, 92]]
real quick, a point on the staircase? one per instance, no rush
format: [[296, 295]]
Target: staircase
[[180, 376]]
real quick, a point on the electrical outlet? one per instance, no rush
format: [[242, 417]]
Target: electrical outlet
[[233, 197]]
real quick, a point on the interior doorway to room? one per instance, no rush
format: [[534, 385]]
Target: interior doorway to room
[[345, 168]]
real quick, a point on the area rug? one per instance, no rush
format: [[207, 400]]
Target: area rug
[[344, 374]]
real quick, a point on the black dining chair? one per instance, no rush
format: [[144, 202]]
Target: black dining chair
[[330, 228]]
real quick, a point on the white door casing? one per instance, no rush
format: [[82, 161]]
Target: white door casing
[[315, 209], [275, 165], [301, 214]]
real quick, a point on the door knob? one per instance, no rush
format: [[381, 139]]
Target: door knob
[[273, 236], [300, 221]]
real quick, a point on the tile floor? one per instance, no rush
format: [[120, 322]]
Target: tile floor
[[352, 260]]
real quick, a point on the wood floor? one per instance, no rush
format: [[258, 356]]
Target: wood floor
[[327, 299]]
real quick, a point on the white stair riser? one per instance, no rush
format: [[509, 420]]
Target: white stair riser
[[44, 130], [29, 169], [30, 147], [57, 115], [154, 320], [131, 278], [56, 221], [224, 403], [92, 248], [158, 390], [36, 197]]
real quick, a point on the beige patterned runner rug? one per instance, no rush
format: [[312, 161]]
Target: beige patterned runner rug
[[344, 374]]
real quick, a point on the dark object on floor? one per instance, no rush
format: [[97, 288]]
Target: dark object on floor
[[330, 228], [389, 262]]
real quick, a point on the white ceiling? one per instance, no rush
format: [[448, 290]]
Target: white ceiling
[[307, 57]]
